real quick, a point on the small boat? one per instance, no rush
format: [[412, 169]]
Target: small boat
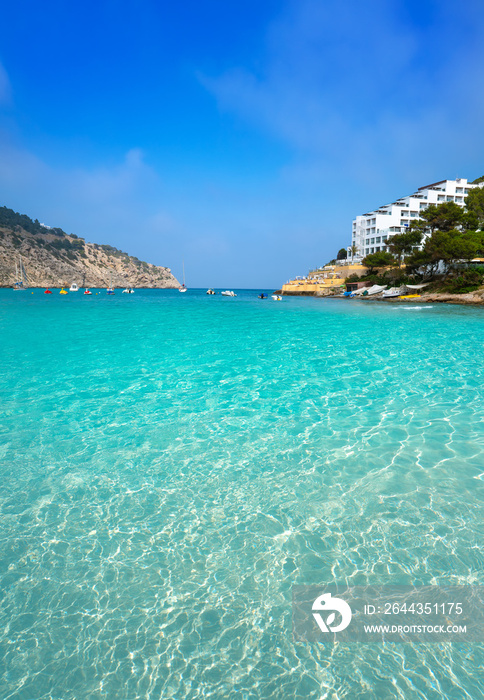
[[73, 287], [109, 290], [87, 292], [183, 287], [210, 291], [47, 291], [63, 291], [277, 297], [228, 293], [263, 296], [411, 296], [128, 290], [371, 291], [21, 279], [392, 293]]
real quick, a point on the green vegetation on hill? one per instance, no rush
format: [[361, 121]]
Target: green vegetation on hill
[[54, 256], [13, 220], [453, 236], [70, 244]]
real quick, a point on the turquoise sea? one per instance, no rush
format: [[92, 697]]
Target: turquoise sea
[[171, 465]]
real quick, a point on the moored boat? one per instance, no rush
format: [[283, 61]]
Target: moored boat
[[74, 287], [21, 279], [228, 293], [128, 290], [87, 292], [47, 291], [63, 291], [210, 291], [392, 293], [183, 287]]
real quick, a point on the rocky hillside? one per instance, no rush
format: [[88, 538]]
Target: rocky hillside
[[53, 258]]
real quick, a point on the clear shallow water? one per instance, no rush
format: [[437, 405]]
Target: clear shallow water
[[172, 464]]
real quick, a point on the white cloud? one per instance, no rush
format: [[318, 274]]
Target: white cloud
[[107, 205], [357, 89]]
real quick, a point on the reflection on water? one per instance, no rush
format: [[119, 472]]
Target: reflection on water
[[173, 464]]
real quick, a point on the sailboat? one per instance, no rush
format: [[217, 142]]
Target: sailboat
[[110, 289], [183, 287], [21, 279]]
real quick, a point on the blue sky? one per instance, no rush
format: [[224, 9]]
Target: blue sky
[[240, 137]]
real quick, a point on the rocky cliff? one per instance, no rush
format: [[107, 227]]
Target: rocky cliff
[[53, 258]]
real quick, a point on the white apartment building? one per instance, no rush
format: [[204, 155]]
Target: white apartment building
[[372, 230]]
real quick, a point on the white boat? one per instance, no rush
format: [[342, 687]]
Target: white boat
[[393, 292], [375, 289], [110, 289], [128, 290], [183, 287], [73, 287], [87, 292], [210, 291], [21, 279], [277, 297], [228, 293]]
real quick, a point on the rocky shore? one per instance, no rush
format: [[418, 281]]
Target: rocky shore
[[473, 298], [53, 258]]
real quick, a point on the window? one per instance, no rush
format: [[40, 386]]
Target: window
[[458, 189], [372, 241], [367, 242], [450, 199], [384, 238], [466, 191], [458, 199], [377, 240], [440, 198]]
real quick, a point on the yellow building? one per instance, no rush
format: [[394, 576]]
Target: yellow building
[[325, 280]]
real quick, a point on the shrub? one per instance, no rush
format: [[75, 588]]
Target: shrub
[[467, 281]]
